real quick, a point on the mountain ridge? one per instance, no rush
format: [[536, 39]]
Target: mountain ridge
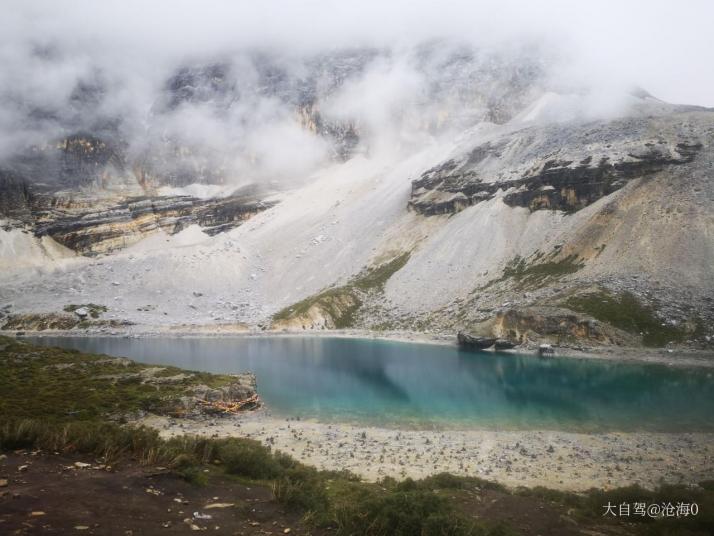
[[550, 203]]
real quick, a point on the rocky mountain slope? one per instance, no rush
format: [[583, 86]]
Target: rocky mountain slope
[[507, 208]]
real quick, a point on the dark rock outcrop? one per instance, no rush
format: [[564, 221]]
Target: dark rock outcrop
[[504, 344], [473, 342], [90, 224], [526, 170], [562, 186], [88, 231], [15, 197]]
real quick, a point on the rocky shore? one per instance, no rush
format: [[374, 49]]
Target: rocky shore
[[665, 356], [554, 459]]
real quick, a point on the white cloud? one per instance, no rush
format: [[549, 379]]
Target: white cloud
[[134, 46]]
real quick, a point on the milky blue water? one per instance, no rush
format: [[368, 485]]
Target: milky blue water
[[419, 385]]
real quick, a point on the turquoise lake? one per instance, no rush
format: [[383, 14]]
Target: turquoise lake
[[421, 385]]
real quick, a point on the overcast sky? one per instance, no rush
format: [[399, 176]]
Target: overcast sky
[[664, 46], [598, 50]]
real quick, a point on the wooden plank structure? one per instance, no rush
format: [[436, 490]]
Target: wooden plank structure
[[233, 408]]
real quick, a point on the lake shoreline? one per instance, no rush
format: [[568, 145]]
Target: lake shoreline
[[569, 461], [565, 460], [664, 356]]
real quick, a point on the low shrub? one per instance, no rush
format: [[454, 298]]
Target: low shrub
[[302, 488], [401, 513], [248, 458]]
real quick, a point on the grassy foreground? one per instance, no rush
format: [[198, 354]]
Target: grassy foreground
[[41, 409]]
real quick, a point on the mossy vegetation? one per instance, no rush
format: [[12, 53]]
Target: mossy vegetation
[[63, 385], [626, 312], [403, 512], [342, 303], [536, 273], [374, 278], [94, 310], [40, 322], [63, 321], [591, 505], [537, 270]]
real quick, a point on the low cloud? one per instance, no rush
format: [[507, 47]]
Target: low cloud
[[82, 66]]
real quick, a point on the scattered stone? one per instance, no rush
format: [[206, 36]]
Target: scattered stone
[[218, 505], [82, 465]]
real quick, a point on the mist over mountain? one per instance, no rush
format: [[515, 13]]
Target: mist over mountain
[[239, 85], [490, 166], [266, 115]]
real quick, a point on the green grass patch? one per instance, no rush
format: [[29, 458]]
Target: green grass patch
[[248, 458], [94, 310], [343, 303], [108, 441], [536, 273], [590, 506], [626, 312], [401, 513], [340, 303], [537, 270], [63, 385], [304, 489], [375, 278]]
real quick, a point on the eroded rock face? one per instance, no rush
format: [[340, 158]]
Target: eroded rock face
[[91, 225], [15, 197], [330, 310], [555, 168], [242, 387], [54, 321], [552, 324], [99, 230]]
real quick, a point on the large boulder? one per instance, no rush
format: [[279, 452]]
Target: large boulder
[[474, 342], [244, 386], [554, 325]]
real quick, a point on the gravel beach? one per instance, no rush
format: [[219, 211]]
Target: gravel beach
[[555, 459]]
